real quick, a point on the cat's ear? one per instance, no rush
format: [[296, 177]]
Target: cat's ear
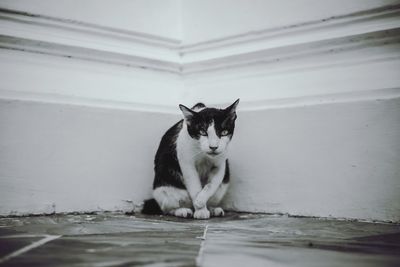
[[231, 113], [187, 112], [231, 110]]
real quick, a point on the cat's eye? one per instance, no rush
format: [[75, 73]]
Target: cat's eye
[[203, 133], [224, 132]]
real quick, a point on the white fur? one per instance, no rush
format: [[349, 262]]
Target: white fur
[[202, 213], [176, 202], [215, 200], [182, 212], [198, 109], [213, 140], [170, 198], [173, 201], [217, 212], [199, 167]]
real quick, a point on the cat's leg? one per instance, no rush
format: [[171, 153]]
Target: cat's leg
[[200, 203], [193, 185], [215, 200], [173, 201]]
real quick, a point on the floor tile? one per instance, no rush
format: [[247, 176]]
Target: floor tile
[[244, 240]]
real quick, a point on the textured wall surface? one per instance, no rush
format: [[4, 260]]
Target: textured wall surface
[[64, 158], [334, 160]]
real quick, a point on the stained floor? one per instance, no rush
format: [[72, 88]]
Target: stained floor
[[245, 240]]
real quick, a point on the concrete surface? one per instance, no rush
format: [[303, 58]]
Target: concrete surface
[[236, 240]]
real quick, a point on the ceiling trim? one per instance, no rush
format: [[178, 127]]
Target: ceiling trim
[[73, 39]]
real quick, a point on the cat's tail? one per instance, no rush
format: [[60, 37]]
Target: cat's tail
[[151, 207]]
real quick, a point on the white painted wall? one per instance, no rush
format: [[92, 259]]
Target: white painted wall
[[159, 18], [83, 108], [330, 159], [336, 159], [64, 158], [207, 20]]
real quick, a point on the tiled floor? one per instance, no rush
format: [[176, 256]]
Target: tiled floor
[[243, 240]]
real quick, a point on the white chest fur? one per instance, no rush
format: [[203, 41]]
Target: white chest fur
[[204, 167], [190, 156]]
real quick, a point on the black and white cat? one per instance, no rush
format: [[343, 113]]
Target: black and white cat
[[191, 165]]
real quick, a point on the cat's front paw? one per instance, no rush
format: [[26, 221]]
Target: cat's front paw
[[183, 212], [203, 213], [199, 202], [217, 212]]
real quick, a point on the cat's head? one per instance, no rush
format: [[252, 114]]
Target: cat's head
[[212, 128]]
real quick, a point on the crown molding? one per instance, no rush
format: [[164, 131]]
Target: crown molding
[[88, 28], [354, 49], [49, 98], [364, 39], [375, 27], [73, 39], [116, 57], [384, 17]]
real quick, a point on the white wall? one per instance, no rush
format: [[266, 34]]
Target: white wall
[[337, 159], [64, 158]]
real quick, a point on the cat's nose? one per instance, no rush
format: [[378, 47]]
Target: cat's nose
[[213, 148]]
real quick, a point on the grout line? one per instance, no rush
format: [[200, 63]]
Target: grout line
[[36, 244], [199, 257]]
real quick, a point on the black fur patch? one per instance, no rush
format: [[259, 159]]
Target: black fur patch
[[227, 173], [166, 165], [151, 207]]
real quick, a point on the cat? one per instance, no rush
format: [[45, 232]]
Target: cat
[[191, 165]]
